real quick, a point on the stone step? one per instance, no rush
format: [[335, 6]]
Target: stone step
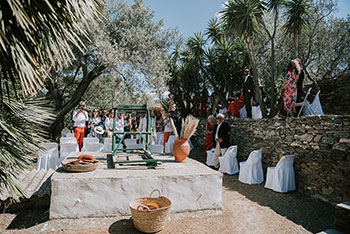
[[35, 183]]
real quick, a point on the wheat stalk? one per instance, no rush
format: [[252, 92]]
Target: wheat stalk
[[174, 128], [189, 127]]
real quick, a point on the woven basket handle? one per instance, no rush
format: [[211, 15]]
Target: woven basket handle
[[154, 191], [142, 207]]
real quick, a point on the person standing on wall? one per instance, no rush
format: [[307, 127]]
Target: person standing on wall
[[80, 117], [248, 91], [221, 137]]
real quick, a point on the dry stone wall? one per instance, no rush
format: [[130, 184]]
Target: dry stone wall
[[321, 145]]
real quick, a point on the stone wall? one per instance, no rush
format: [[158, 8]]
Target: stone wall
[[335, 95], [321, 145]]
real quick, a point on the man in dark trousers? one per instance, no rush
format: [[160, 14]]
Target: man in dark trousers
[[248, 91], [221, 137]]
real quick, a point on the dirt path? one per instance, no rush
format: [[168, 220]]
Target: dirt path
[[247, 209]]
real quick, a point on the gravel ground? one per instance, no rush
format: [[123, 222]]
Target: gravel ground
[[247, 209]]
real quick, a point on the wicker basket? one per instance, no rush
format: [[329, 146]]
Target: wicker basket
[[146, 220], [78, 167]]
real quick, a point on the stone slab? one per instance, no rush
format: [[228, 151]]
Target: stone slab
[[191, 186]]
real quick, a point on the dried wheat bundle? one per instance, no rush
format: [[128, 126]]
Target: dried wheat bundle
[[174, 128], [189, 127]]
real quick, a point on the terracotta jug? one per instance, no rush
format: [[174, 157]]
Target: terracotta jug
[[181, 149]]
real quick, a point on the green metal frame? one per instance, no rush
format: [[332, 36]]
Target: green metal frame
[[145, 136]]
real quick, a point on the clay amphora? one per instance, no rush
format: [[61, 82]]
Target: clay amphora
[[181, 149]]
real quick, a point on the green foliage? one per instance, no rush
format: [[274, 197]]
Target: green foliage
[[34, 37], [37, 34], [22, 128]]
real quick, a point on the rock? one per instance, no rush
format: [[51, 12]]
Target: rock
[[305, 137], [340, 147], [344, 140]]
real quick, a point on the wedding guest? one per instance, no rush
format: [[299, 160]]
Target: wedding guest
[[94, 121], [248, 91], [80, 117], [289, 91], [209, 133], [221, 138]]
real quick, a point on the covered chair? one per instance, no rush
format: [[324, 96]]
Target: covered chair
[[92, 147], [169, 145], [68, 140], [67, 148], [129, 141], [211, 157], [157, 148], [90, 140], [228, 162], [251, 171], [281, 178], [107, 145], [48, 159]]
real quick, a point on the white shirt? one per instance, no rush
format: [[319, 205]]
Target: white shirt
[[245, 79], [217, 131], [109, 123], [119, 125], [80, 120], [167, 127]]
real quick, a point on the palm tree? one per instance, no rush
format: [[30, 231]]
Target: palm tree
[[297, 13], [214, 30], [34, 36], [244, 17]]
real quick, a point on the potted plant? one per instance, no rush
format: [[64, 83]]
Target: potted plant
[[181, 147]]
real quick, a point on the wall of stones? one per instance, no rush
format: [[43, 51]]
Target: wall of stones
[[335, 95], [321, 145]]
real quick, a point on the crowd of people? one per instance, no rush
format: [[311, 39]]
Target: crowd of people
[[99, 123]]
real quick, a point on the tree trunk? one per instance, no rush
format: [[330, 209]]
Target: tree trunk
[[255, 76], [57, 125], [272, 93]]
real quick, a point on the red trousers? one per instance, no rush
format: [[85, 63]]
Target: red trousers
[[166, 137], [79, 133]]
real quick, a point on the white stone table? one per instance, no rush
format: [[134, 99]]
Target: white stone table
[[191, 186]]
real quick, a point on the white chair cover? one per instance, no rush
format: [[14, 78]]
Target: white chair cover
[[90, 140], [48, 159], [316, 107], [51, 145], [129, 141], [256, 112], [281, 178], [65, 131], [169, 144], [160, 138], [107, 145], [92, 147], [68, 140], [228, 162], [251, 171], [157, 148], [211, 157], [67, 148], [69, 134], [134, 146]]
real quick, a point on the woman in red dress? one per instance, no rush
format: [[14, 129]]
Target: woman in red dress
[[235, 106], [289, 91], [209, 133]]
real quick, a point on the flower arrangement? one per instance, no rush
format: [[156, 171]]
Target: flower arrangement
[[189, 127]]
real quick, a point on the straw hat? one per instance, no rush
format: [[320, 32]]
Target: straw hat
[[99, 130]]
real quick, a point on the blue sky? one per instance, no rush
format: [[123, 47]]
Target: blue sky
[[191, 16]]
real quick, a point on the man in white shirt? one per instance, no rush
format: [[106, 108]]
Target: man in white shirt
[[80, 117], [119, 127]]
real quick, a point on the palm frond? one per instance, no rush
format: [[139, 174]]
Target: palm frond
[[22, 128]]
